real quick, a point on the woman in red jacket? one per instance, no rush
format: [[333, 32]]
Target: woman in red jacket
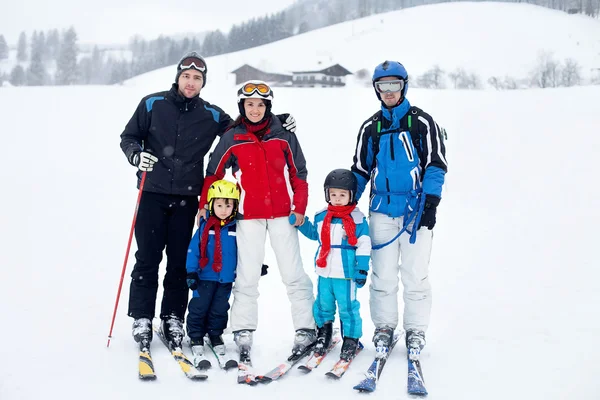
[[270, 168]]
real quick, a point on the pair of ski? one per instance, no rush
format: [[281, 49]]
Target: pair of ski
[[202, 363], [415, 381], [246, 375], [146, 366], [339, 368]]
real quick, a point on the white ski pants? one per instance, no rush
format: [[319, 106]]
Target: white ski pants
[[251, 236], [413, 269]]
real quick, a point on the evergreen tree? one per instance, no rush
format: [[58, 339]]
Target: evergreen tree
[[53, 44], [42, 45], [85, 71], [220, 42], [17, 76], [36, 73], [66, 65], [3, 48], [99, 75], [22, 47]]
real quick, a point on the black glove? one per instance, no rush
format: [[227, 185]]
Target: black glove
[[192, 279], [429, 211], [360, 278], [264, 269]]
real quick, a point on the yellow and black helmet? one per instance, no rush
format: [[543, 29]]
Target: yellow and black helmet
[[222, 190]]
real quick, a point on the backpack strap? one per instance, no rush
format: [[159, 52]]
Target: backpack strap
[[376, 131]]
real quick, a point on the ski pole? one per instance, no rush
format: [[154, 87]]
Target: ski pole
[[137, 205]]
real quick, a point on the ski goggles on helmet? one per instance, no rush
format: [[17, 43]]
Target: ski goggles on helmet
[[260, 88], [193, 62], [389, 86]]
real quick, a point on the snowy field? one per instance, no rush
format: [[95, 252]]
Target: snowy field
[[514, 267]]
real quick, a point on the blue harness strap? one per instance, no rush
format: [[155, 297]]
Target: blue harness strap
[[407, 219]]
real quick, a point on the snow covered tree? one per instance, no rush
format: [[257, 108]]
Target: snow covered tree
[[17, 76], [22, 47], [53, 44], [571, 73], [42, 45], [432, 79], [3, 48], [66, 65], [36, 74], [547, 71]]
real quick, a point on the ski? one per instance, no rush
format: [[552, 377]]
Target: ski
[[186, 365], [285, 366], [225, 361], [316, 359], [145, 365], [369, 384], [245, 370], [340, 367], [416, 383]]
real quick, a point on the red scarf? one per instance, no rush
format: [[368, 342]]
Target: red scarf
[[342, 212], [259, 130], [215, 224]]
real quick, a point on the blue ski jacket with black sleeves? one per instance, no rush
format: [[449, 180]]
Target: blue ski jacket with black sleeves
[[179, 132], [401, 161]]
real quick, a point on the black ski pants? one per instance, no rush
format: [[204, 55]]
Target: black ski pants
[[163, 221], [208, 309]]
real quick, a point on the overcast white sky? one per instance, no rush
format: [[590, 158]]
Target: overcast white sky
[[115, 21]]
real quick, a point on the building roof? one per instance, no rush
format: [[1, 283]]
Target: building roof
[[334, 70]]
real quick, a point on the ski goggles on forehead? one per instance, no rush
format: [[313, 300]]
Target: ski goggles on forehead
[[389, 86], [260, 88], [193, 62]]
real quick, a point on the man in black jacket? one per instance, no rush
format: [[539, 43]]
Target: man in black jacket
[[167, 137]]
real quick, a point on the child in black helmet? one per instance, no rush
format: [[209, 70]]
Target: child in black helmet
[[342, 261]]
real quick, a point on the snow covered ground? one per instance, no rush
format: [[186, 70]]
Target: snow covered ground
[[514, 266]]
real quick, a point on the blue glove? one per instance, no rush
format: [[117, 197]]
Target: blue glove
[[360, 278], [292, 219], [192, 279]]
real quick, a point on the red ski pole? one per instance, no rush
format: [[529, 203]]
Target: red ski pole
[[137, 205]]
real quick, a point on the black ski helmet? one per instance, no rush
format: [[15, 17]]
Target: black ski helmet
[[341, 179]]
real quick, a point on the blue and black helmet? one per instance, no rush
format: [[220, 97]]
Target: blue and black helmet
[[391, 68]]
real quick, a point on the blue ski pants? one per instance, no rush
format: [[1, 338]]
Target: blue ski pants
[[342, 291]]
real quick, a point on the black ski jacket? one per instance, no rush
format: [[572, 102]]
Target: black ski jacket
[[179, 132]]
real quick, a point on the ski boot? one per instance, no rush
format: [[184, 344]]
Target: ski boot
[[197, 346], [172, 329], [349, 348], [323, 338], [218, 344], [415, 341], [243, 339], [142, 332], [304, 338], [382, 339]]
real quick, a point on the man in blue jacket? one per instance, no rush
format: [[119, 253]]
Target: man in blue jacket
[[400, 150], [168, 137]]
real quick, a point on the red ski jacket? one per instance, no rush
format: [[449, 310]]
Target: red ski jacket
[[271, 173]]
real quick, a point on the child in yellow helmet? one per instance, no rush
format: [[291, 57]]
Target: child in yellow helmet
[[211, 265]]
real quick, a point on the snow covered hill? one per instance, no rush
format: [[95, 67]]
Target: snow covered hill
[[489, 39]]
